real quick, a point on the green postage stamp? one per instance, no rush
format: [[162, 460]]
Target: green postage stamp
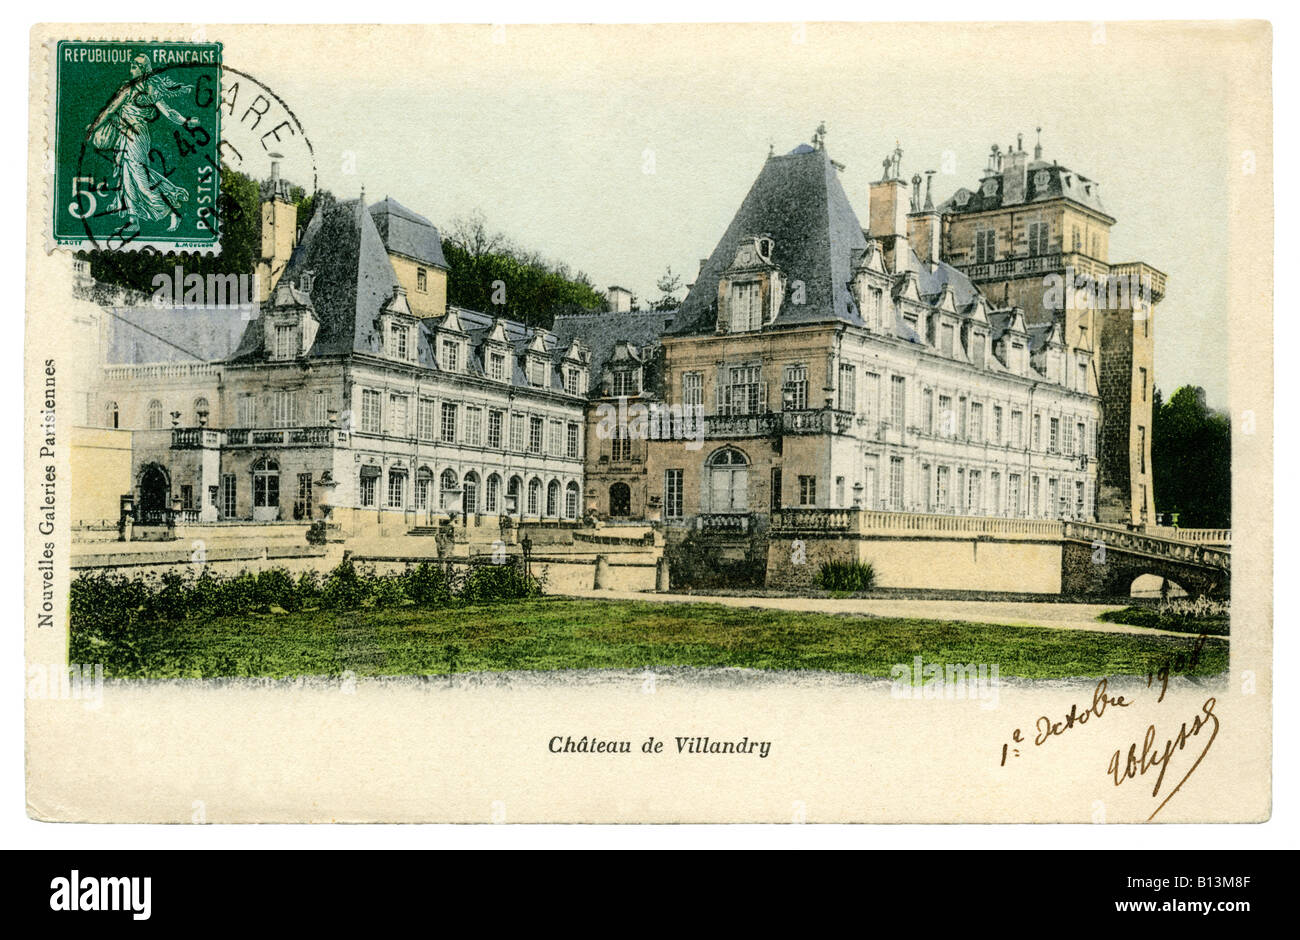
[[136, 139]]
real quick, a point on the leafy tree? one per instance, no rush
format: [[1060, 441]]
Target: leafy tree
[[669, 284], [1191, 455]]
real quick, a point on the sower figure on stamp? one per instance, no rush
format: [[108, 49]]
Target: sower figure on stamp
[[123, 127]]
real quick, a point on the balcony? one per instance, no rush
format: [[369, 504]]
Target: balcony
[[195, 438], [725, 523], [285, 437], [774, 423]]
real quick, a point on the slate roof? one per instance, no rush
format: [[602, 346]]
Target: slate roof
[[601, 331], [1043, 181], [408, 233], [797, 199], [149, 334]]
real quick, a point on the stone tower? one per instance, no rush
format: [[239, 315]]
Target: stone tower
[[279, 230]]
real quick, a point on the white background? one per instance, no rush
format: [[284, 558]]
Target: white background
[[16, 830]]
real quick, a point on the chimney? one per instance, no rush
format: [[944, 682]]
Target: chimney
[[279, 229], [887, 208], [1015, 174], [620, 299]]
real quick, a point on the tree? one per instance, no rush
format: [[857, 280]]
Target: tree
[[669, 284], [1191, 456]]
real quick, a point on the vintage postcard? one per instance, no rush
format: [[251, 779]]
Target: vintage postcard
[[784, 422]]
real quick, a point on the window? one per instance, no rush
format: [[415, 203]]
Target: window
[[514, 490], [1083, 376], [941, 489], [693, 391], [424, 419], [554, 437], [898, 401], [282, 409], [469, 495], [228, 495], [1142, 373], [368, 478], [627, 382], [266, 483], [397, 411], [187, 496], [370, 411], [1142, 449], [620, 444], [794, 389], [448, 432], [1038, 238], [728, 481], [155, 415], [201, 410], [572, 381], [1013, 494], [396, 488], [497, 366], [1076, 240], [1067, 442], [474, 426], [995, 493], [896, 483], [492, 494], [1078, 499], [571, 501], [571, 441], [1038, 432], [947, 420], [776, 488], [421, 279], [398, 341], [286, 342], [1054, 435], [946, 339], [534, 497], [977, 422], [673, 493], [745, 313], [448, 490], [975, 492], [1081, 439], [961, 417], [112, 417], [302, 503], [1035, 508], [875, 306], [1053, 500], [517, 433], [986, 244], [848, 390], [871, 401], [807, 490], [449, 360], [320, 407], [423, 480], [1017, 427], [839, 491], [997, 424], [741, 395], [494, 429], [553, 499], [977, 349], [534, 435], [536, 371], [927, 404]]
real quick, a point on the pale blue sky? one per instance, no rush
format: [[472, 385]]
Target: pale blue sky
[[549, 133]]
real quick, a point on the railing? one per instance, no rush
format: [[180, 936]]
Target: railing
[[190, 438], [812, 519], [771, 423], [284, 437], [1143, 544], [159, 370], [884, 522], [725, 523], [1197, 536], [1035, 264]]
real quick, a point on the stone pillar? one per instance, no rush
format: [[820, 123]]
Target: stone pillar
[[601, 582], [661, 575]]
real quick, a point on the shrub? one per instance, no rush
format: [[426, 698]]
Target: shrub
[[344, 588], [316, 533], [308, 589], [387, 591], [427, 585], [171, 599], [490, 582], [276, 588], [696, 562], [850, 576]]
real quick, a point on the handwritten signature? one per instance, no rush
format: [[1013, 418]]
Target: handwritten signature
[[1137, 765]]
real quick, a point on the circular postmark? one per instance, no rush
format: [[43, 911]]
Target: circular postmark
[[155, 152]]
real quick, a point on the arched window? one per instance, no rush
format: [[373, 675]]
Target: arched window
[[423, 478], [571, 501], [396, 488], [155, 415], [534, 497], [201, 411], [111, 415], [492, 495], [470, 496], [266, 483], [514, 496], [620, 500], [553, 499], [728, 471], [450, 490]]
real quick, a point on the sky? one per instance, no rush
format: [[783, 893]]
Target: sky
[[622, 150]]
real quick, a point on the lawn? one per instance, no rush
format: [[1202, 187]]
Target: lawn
[[564, 633]]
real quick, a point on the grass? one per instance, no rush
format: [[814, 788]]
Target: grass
[[1181, 616], [563, 633]]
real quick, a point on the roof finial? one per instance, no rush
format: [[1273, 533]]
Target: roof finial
[[819, 136], [771, 149], [1038, 147], [363, 194]]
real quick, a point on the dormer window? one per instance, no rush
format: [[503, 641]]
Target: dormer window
[[746, 308], [449, 355], [573, 381], [627, 382], [305, 281], [536, 372], [399, 339], [286, 342], [421, 279]]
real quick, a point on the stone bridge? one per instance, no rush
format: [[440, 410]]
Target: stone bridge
[[1097, 559]]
